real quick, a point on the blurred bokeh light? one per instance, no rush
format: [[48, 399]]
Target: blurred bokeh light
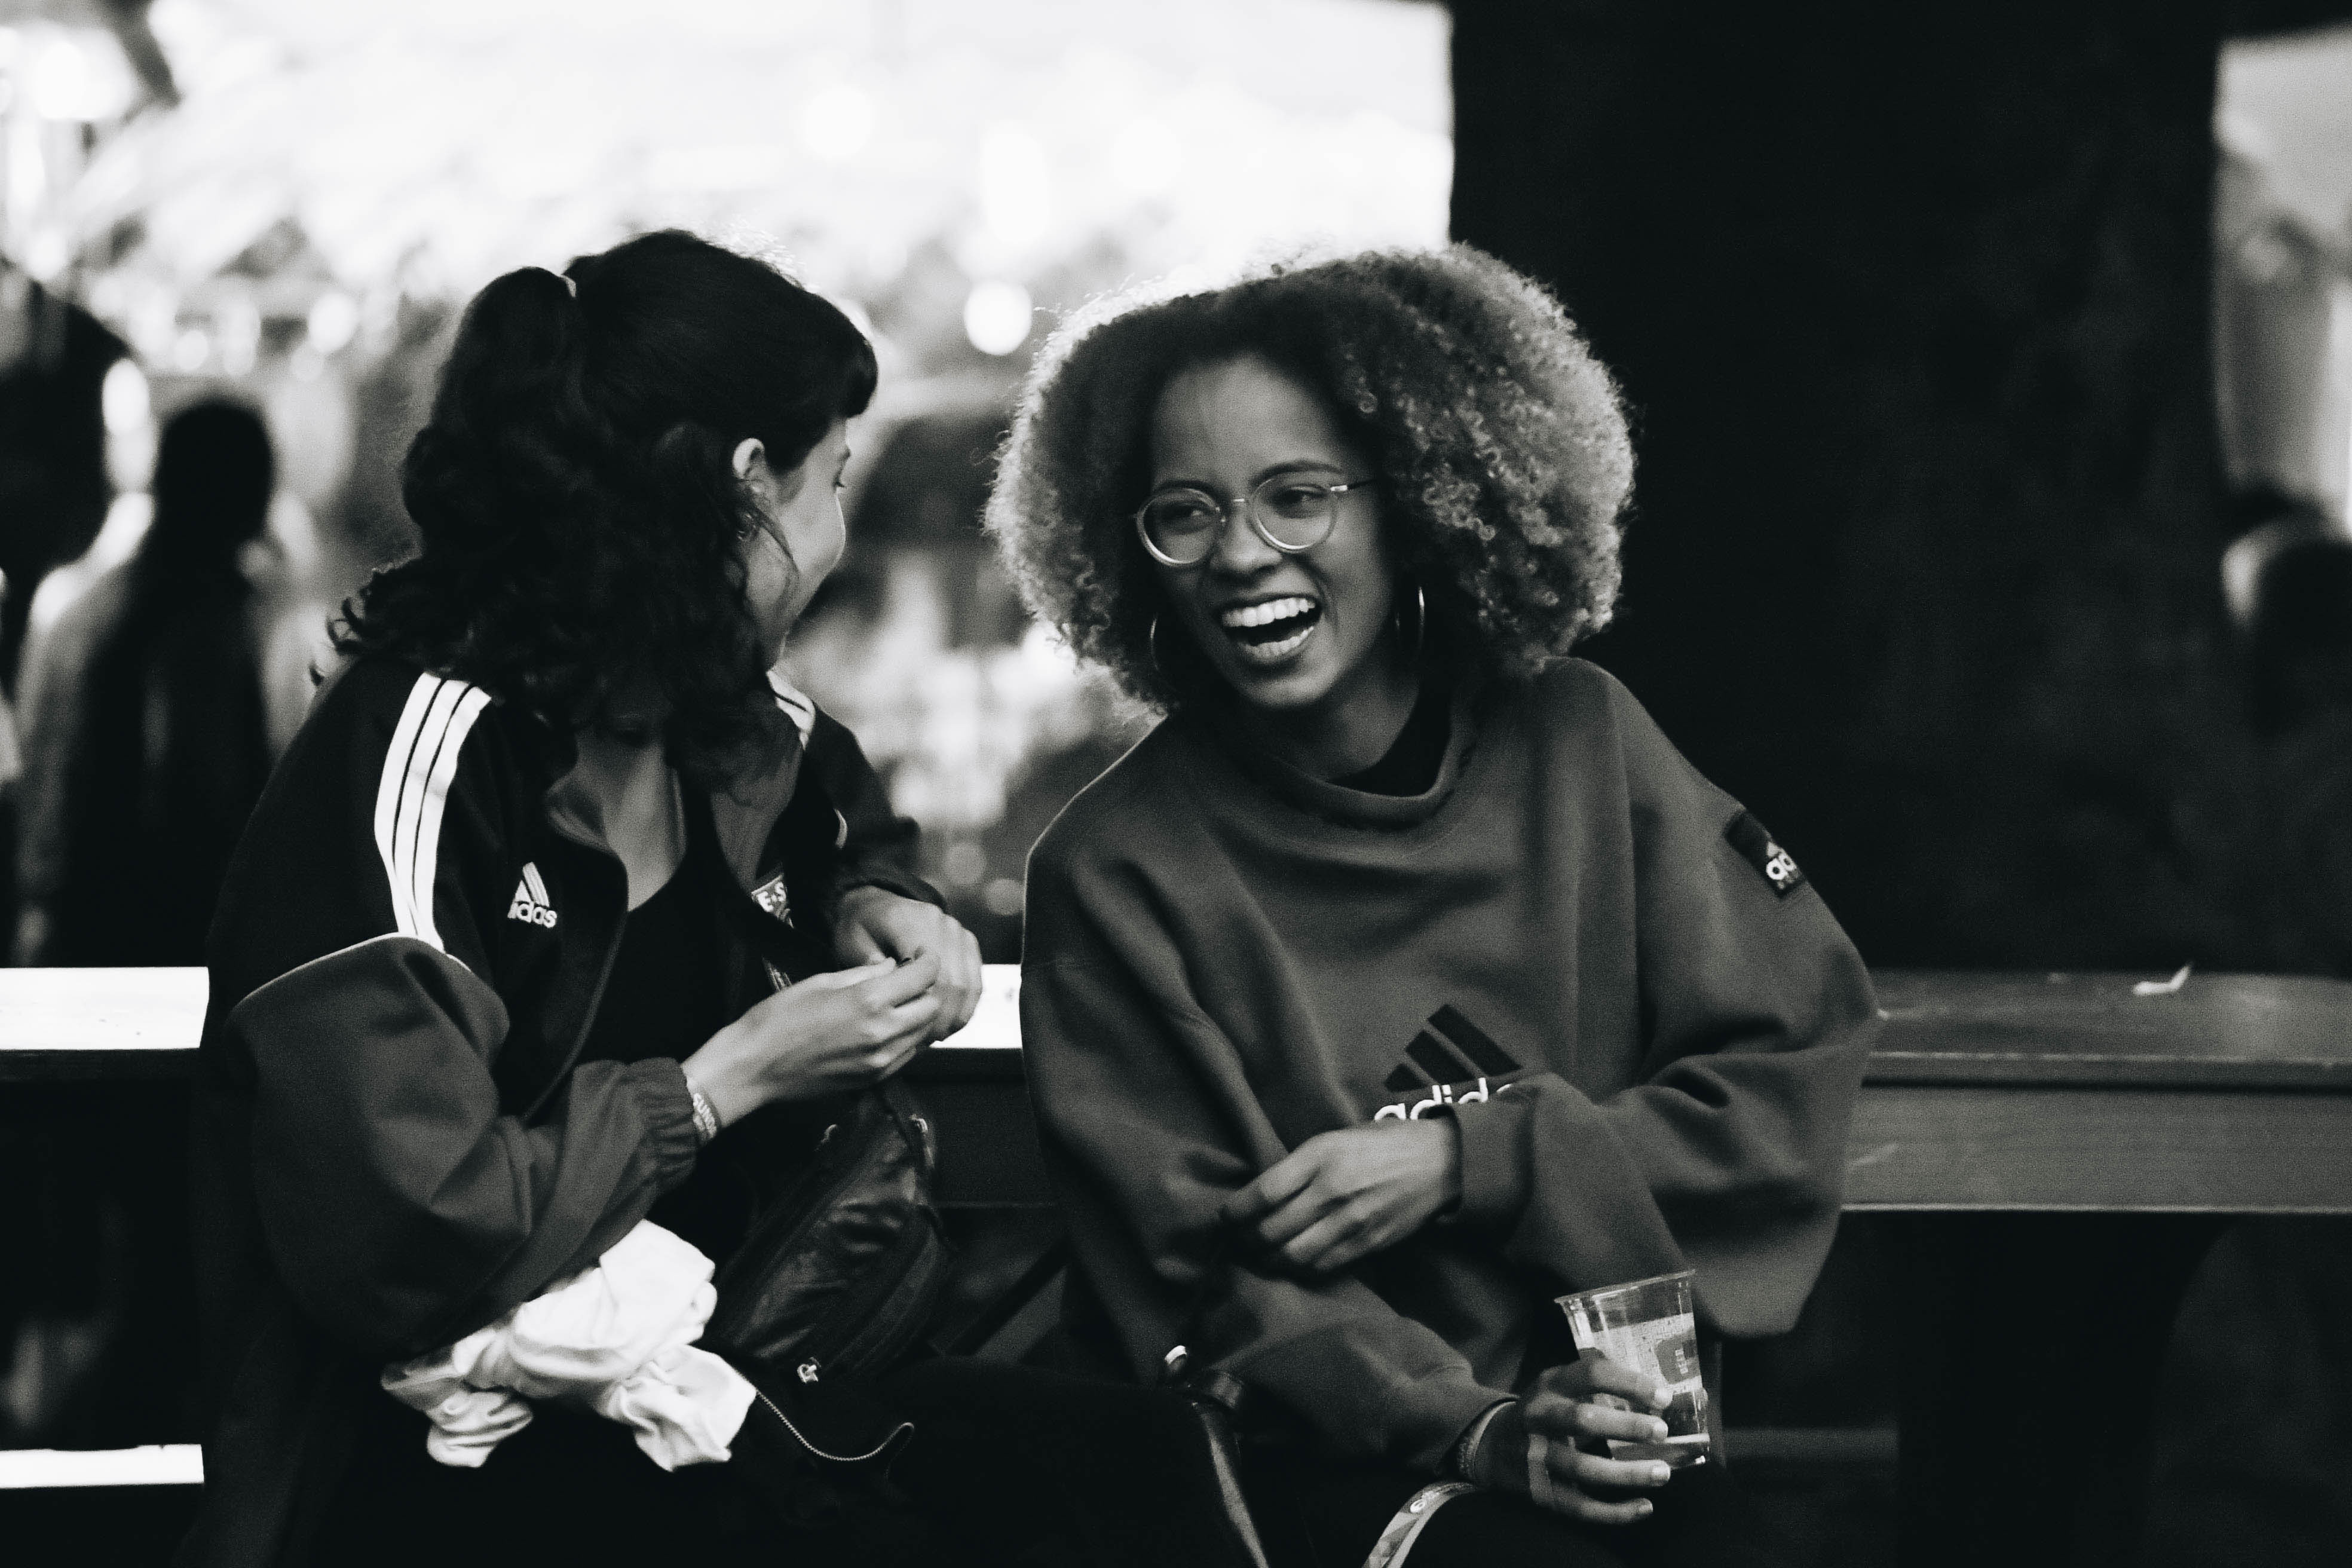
[[290, 199]]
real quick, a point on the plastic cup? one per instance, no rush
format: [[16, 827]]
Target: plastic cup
[[1648, 1326]]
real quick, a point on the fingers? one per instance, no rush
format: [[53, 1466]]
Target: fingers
[[1593, 1372], [1294, 1221], [1588, 1487], [901, 983], [883, 924], [900, 927], [1592, 1510], [895, 1034], [837, 979], [1574, 1420], [960, 978], [970, 973], [1332, 1242], [1365, 1187], [880, 982], [864, 1011], [894, 1054], [857, 945], [1589, 1472], [875, 921], [1288, 1177]]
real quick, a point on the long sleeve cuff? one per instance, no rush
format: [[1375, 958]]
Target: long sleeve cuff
[[671, 1140], [1495, 1167], [1367, 1395], [905, 884], [1436, 1414], [1462, 1458]]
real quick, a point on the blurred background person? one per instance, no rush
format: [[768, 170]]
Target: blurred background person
[[146, 742], [147, 737], [12, 761], [2253, 1445], [53, 359]]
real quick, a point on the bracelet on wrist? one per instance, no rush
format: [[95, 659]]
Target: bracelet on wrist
[[705, 1119]]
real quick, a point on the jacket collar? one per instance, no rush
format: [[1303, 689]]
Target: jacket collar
[[745, 813]]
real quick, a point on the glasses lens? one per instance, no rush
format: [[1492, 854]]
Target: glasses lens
[[1183, 524], [1297, 512]]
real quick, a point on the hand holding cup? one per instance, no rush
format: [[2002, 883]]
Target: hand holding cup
[[1550, 1448]]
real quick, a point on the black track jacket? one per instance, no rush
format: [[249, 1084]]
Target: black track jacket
[[392, 1144]]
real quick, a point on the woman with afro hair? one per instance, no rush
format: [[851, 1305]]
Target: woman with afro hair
[[1404, 976]]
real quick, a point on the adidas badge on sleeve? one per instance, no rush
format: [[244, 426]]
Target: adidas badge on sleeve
[[1771, 862]]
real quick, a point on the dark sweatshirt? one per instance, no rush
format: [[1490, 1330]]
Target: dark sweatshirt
[[1646, 1025]]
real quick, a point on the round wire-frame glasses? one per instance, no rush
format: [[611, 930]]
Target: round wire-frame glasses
[[1180, 527]]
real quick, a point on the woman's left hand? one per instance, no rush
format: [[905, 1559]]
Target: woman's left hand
[[875, 923], [1341, 1196]]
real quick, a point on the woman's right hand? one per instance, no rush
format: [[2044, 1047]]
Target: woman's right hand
[[828, 1034], [1561, 1410]]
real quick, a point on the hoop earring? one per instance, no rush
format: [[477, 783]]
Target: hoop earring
[[1420, 621], [1151, 640]]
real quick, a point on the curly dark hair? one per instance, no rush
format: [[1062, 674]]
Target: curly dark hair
[[575, 492], [1500, 440]]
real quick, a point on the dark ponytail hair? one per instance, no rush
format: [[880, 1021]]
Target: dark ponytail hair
[[575, 493]]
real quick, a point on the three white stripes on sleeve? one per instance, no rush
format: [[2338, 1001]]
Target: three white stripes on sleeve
[[414, 790]]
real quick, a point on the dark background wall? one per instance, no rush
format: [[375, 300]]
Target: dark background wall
[[1912, 302]]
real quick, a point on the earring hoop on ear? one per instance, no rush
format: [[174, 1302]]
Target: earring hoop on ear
[[1420, 621], [1151, 640]]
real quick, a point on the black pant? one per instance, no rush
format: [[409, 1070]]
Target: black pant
[[2252, 1441], [1007, 1466], [570, 1491], [1317, 1513]]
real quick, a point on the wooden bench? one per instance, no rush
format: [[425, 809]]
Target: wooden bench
[[2020, 1128], [1987, 1092]]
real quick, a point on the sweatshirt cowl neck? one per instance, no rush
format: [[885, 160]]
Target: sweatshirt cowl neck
[[1223, 727]]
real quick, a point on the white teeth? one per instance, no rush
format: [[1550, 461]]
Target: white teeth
[[1274, 652], [1271, 611]]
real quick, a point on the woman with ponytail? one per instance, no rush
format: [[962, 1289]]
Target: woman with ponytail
[[483, 1000]]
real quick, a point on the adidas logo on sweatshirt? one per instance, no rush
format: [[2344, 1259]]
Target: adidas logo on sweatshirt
[[530, 901], [1449, 1050]]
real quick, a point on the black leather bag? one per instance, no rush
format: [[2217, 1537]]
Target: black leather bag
[[836, 1280], [839, 1275]]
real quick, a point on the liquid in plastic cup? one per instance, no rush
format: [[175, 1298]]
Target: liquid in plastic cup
[[1648, 1326]]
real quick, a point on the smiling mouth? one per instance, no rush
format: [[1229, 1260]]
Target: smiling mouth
[[1271, 632]]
